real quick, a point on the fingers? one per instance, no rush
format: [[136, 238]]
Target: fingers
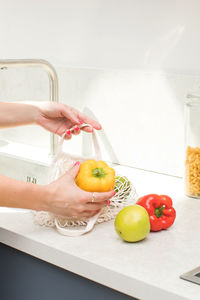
[[92, 209], [88, 120], [75, 130], [71, 114], [74, 170], [68, 135], [79, 118], [87, 129], [97, 205], [99, 197]]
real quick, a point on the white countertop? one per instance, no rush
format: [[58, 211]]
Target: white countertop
[[149, 269]]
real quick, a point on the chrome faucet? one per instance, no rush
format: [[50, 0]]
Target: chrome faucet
[[53, 84]]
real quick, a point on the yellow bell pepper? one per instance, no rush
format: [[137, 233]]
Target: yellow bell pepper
[[95, 176]]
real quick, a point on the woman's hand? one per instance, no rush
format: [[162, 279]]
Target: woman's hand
[[59, 118], [65, 198], [61, 197]]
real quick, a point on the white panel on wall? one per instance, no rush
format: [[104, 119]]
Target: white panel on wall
[[141, 113], [148, 34]]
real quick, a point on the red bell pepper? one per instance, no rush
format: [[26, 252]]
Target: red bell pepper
[[160, 210]]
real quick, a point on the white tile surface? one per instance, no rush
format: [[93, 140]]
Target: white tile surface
[[148, 270]]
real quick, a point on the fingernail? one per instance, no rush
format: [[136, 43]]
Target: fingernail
[[80, 122], [68, 132], [114, 193], [109, 203], [76, 128], [77, 163]]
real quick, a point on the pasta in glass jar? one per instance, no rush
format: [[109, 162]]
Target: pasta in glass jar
[[192, 143]]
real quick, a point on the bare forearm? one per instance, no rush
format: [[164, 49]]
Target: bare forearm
[[17, 114], [19, 194]]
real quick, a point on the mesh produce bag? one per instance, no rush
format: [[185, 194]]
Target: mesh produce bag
[[125, 195]]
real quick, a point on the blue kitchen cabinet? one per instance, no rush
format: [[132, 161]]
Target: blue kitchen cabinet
[[24, 277]]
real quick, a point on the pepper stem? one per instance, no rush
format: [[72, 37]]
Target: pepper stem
[[98, 172], [159, 211]]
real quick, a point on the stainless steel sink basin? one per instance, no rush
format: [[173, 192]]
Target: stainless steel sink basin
[[192, 276]]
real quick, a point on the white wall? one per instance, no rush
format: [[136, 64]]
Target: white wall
[[155, 44], [141, 112], [148, 34]]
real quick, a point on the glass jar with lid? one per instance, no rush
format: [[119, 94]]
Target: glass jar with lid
[[192, 146]]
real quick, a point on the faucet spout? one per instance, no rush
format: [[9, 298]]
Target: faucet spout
[[53, 84]]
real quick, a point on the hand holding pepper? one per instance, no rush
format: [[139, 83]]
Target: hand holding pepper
[[160, 210]]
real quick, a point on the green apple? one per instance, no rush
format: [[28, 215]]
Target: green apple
[[132, 223]]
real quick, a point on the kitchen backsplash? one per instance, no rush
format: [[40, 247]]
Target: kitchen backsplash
[[141, 112]]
